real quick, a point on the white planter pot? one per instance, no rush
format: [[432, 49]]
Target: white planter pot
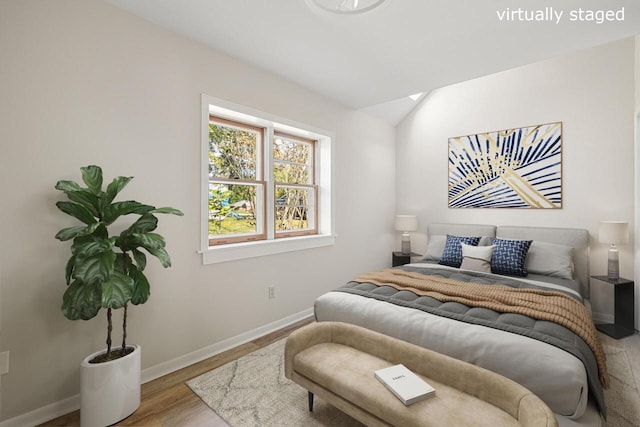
[[110, 391]]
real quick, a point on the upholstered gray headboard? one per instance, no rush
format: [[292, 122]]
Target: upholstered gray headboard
[[577, 238]]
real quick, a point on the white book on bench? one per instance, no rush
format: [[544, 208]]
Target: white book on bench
[[407, 386]]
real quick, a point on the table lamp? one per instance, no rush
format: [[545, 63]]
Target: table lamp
[[614, 233], [406, 223]]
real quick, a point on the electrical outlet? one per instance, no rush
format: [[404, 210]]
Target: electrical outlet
[[4, 362], [272, 292]]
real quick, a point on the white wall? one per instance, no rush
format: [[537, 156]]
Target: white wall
[[83, 82], [591, 92], [637, 182]]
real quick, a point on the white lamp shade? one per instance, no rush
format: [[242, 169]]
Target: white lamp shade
[[406, 222], [614, 232]]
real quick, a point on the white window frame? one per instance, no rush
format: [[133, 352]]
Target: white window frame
[[310, 186], [324, 179]]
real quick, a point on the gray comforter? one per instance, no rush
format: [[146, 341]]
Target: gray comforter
[[545, 331]]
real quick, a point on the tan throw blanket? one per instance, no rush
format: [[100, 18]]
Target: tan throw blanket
[[535, 303]]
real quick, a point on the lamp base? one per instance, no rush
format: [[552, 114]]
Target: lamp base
[[613, 265], [406, 244]]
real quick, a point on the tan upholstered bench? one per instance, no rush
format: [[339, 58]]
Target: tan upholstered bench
[[336, 361]]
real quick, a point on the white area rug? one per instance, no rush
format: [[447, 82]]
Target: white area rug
[[253, 392], [622, 399]]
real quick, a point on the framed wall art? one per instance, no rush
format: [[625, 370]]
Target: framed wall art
[[513, 168]]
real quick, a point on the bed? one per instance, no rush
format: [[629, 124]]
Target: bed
[[545, 352]]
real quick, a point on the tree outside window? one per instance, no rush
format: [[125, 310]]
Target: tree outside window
[[234, 181], [293, 174]]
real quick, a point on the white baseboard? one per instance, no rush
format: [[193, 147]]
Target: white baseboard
[[45, 413], [169, 366], [62, 407]]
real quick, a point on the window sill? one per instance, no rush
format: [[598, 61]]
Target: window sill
[[236, 251]]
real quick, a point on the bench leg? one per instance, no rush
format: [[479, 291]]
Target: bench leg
[[310, 401]]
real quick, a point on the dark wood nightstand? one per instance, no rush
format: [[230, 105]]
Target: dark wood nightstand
[[623, 308], [399, 258]]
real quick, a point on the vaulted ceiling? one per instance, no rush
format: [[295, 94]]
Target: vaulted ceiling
[[374, 60]]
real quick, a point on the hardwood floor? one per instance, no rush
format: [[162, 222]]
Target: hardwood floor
[[167, 401]]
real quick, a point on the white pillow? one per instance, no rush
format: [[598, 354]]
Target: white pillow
[[550, 259], [477, 258], [479, 252]]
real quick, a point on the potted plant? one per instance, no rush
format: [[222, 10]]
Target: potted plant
[[106, 271]]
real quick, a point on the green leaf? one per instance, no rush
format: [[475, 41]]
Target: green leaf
[[87, 246], [122, 261], [67, 186], [144, 224], [141, 259], [115, 210], [81, 301], [77, 231], [149, 240], [68, 271], [168, 210], [141, 287], [92, 176], [126, 242], [87, 199], [72, 232], [77, 211], [162, 255], [99, 230], [115, 187], [96, 268], [116, 291]]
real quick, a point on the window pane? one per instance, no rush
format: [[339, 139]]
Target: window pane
[[292, 161], [293, 208], [232, 209], [232, 152], [288, 173]]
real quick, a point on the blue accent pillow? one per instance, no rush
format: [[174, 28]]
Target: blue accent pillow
[[452, 253], [509, 256]]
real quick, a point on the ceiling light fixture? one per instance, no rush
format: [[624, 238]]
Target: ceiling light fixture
[[348, 7]]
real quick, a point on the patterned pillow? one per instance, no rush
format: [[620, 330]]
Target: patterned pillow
[[452, 253], [509, 257]]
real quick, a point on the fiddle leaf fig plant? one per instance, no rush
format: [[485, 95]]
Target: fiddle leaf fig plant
[[106, 271]]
